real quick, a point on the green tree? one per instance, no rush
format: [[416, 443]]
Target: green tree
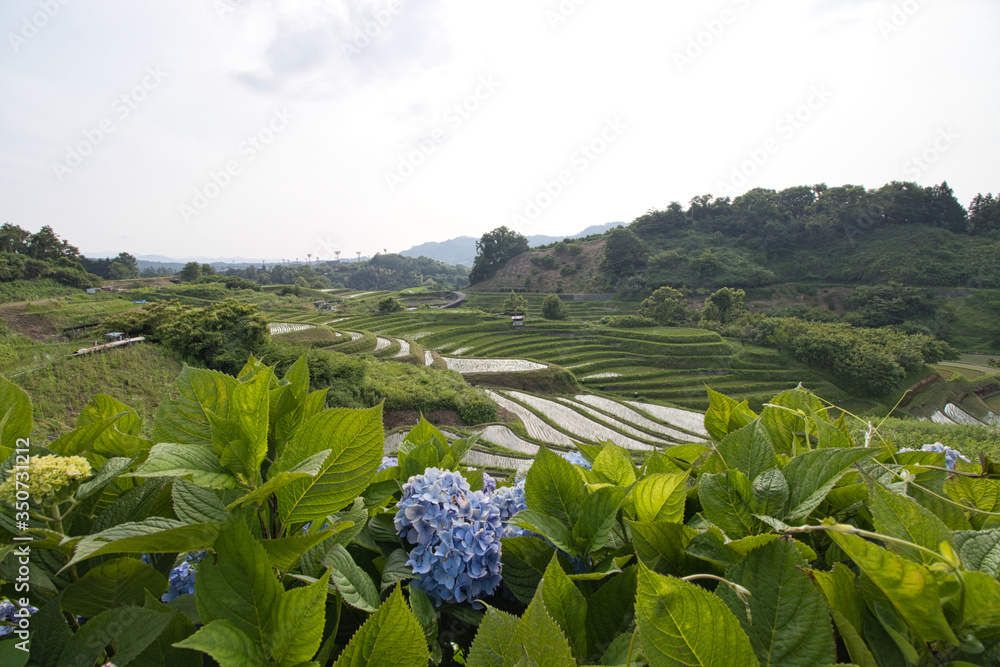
[[666, 305], [725, 306], [191, 272], [207, 270], [515, 303], [553, 308], [13, 238], [45, 244], [495, 249], [624, 254], [389, 305]]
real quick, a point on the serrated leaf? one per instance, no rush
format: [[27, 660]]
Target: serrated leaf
[[154, 535], [355, 440], [395, 569], [724, 415], [197, 463], [493, 639], [131, 629], [660, 497], [239, 586], [248, 420], [308, 468], [790, 625], [422, 456], [567, 607], [898, 516], [284, 551], [597, 518], [660, 546], [725, 500], [297, 624], [111, 469], [81, 439], [194, 504], [610, 611], [811, 476], [749, 450], [184, 419], [230, 646], [770, 493], [353, 583], [524, 560], [546, 526], [910, 587], [979, 550], [553, 487], [391, 637], [121, 582], [681, 624], [613, 465], [539, 638], [982, 601]]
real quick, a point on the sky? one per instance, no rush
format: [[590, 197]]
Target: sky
[[276, 130]]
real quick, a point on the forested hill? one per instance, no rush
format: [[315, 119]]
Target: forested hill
[[901, 232]]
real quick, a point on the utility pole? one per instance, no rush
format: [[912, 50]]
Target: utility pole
[[359, 255], [309, 255], [337, 253]]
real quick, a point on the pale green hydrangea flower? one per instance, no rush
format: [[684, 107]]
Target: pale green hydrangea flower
[[46, 476]]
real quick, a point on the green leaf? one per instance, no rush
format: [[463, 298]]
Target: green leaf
[[660, 546], [194, 504], [711, 546], [567, 607], [539, 638], [748, 450], [249, 415], [597, 518], [811, 476], [127, 428], [353, 583], [610, 611], [161, 653], [494, 639], [297, 624], [15, 416], [418, 459], [910, 587], [614, 466], [308, 468], [424, 610], [240, 586], [154, 535], [724, 415], [789, 624], [197, 463], [121, 582], [548, 527], [980, 550], [395, 569], [11, 655], [111, 469], [553, 487], [681, 624], [355, 440], [747, 544], [770, 493], [49, 634], [81, 439], [660, 497], [787, 428], [840, 592], [284, 551], [185, 419], [982, 601], [391, 637], [230, 646], [131, 629], [524, 560], [898, 516], [725, 500]]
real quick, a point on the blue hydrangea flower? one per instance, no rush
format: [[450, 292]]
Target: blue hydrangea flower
[[510, 500], [576, 458], [388, 462], [7, 610], [489, 484], [457, 536], [951, 456], [182, 577]]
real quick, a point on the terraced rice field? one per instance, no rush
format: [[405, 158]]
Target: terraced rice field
[[492, 365], [404, 349], [278, 328]]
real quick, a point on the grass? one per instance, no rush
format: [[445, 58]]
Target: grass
[[139, 376]]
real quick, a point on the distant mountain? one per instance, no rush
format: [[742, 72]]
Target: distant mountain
[[462, 250]]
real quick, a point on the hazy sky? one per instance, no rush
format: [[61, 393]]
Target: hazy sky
[[269, 129]]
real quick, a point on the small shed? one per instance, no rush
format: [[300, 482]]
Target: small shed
[[115, 335], [93, 290], [517, 320]]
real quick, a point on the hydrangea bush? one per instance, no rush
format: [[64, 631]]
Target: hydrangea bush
[[951, 456]]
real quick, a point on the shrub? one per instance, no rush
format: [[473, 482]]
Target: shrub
[[389, 305], [553, 308], [626, 321]]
